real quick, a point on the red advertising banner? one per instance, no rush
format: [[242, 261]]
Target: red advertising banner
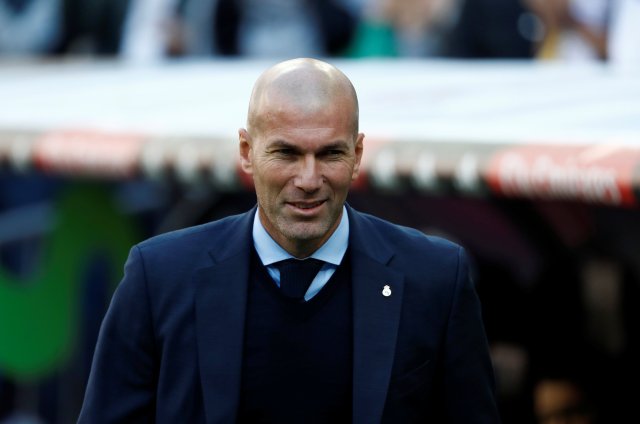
[[596, 173], [88, 152]]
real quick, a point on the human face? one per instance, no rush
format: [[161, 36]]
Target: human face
[[302, 163]]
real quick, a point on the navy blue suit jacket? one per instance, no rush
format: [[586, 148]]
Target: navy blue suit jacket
[[170, 346]]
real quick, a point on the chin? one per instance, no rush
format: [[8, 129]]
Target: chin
[[304, 231]]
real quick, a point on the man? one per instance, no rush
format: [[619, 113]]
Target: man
[[208, 325]]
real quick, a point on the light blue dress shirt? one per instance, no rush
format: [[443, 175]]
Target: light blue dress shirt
[[331, 252]]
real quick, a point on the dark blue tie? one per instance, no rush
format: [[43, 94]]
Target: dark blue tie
[[296, 276]]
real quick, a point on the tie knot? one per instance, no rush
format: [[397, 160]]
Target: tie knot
[[296, 276]]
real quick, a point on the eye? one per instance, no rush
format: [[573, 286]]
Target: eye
[[333, 153], [285, 151]]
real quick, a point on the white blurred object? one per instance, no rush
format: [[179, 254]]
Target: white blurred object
[[146, 29], [624, 36], [590, 12], [572, 47]]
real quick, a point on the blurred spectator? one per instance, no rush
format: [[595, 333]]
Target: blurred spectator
[[29, 27], [149, 30], [571, 30], [266, 28], [491, 29], [566, 370], [193, 32], [562, 401], [502, 296], [93, 27], [75, 27], [588, 30], [586, 328], [408, 28]]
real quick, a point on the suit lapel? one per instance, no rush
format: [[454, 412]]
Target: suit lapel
[[221, 299], [376, 318]]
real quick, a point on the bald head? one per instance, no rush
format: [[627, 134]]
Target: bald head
[[305, 85]]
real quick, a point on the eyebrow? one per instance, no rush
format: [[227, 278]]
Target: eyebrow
[[340, 144], [280, 143], [337, 145]]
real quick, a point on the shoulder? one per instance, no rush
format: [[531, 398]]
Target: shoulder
[[208, 233], [424, 260], [403, 237], [195, 247], [166, 263]]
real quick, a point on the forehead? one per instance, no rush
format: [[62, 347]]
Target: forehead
[[283, 112], [306, 135]]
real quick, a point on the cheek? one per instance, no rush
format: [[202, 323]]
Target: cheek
[[271, 179], [340, 174]]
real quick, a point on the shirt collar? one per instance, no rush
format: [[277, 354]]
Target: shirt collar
[[331, 251]]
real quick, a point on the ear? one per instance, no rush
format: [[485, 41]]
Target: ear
[[359, 149], [245, 151]]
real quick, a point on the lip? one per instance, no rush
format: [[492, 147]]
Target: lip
[[306, 207]]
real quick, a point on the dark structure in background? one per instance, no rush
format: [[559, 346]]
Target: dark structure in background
[[93, 26], [491, 29]]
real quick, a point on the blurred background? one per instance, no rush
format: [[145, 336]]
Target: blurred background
[[509, 126]]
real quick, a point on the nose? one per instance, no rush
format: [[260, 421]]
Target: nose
[[308, 178]]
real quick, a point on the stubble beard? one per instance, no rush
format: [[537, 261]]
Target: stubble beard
[[300, 233]]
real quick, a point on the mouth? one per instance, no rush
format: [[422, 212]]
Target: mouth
[[306, 206]]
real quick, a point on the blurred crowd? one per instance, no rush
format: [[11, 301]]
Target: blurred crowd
[[157, 30]]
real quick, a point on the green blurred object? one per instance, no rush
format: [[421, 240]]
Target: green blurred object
[[373, 39], [39, 317]]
